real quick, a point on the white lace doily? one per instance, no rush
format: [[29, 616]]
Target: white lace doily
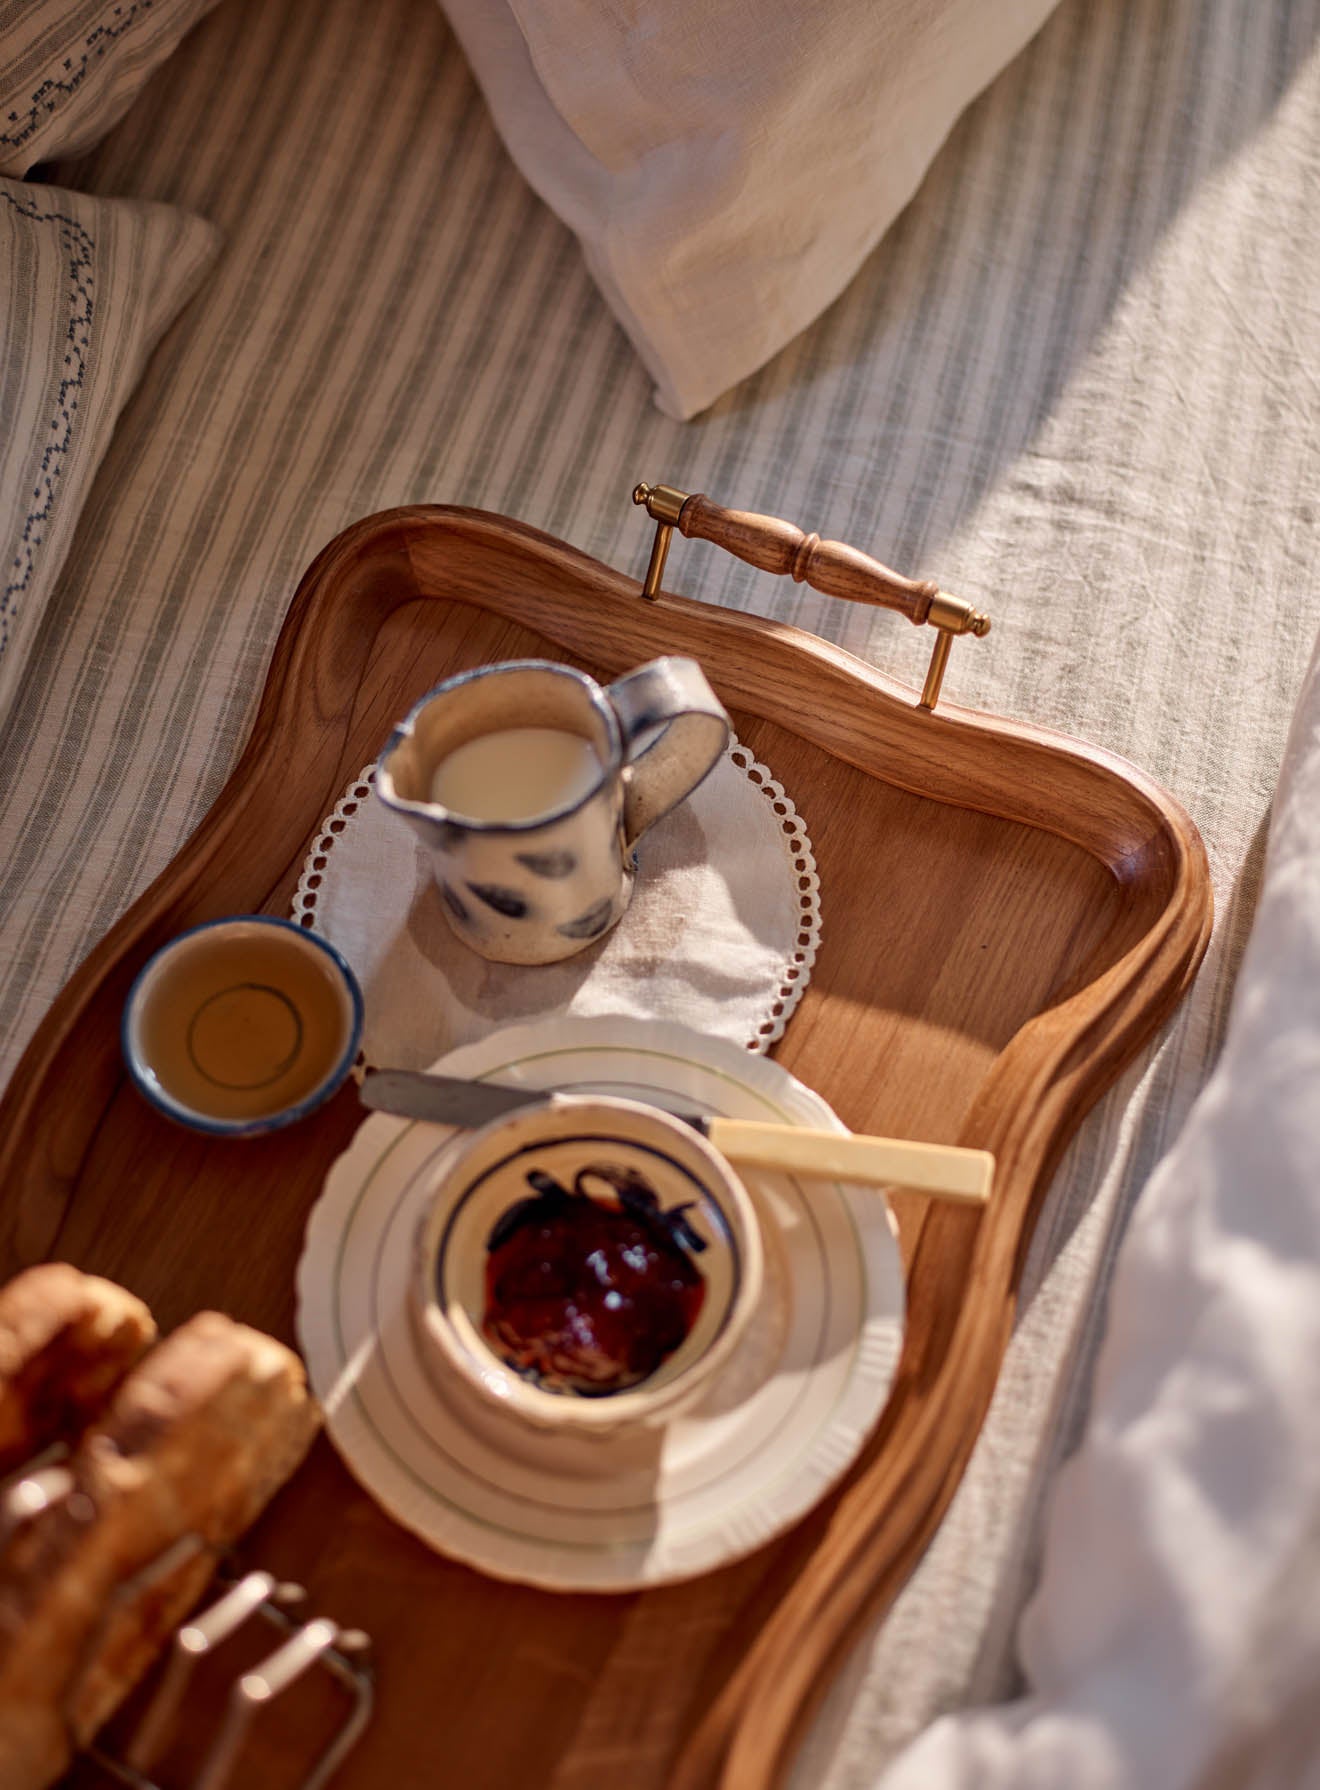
[[721, 934]]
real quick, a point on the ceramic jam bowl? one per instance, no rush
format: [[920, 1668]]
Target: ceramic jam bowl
[[584, 1264]]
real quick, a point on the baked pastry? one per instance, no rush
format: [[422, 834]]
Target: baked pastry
[[195, 1442], [66, 1341]]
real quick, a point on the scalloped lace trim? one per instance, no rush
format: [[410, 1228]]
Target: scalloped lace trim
[[796, 972]]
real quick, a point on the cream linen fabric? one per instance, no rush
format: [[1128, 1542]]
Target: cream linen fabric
[[1078, 382], [88, 286], [728, 168], [69, 69], [1175, 1637]]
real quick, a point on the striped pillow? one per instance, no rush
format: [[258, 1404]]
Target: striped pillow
[[69, 69], [88, 286]]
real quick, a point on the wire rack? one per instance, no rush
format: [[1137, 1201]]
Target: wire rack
[[251, 1613]]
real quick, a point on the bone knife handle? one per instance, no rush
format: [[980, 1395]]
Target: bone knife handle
[[944, 1170]]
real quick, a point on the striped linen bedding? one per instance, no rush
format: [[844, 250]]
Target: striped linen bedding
[[1076, 383]]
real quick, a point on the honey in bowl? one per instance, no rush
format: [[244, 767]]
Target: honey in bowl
[[241, 1022]]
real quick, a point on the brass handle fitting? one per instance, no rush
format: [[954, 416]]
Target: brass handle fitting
[[827, 566]]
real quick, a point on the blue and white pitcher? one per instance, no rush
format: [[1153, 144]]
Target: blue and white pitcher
[[530, 785]]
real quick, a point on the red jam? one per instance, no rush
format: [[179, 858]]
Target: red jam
[[591, 1295]]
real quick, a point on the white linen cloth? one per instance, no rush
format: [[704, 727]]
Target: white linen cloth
[[728, 168], [1175, 1636], [720, 935]]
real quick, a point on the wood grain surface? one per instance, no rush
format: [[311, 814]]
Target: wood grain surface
[[1008, 918]]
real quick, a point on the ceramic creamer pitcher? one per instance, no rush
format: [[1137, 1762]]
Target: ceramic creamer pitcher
[[530, 785]]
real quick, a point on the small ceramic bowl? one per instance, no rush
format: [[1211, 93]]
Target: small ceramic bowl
[[242, 1025], [585, 1264]]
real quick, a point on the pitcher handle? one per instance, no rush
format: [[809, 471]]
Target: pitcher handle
[[672, 696]]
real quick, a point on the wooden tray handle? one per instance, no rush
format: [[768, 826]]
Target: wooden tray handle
[[831, 567]]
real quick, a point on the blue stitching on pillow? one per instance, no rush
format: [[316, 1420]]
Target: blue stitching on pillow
[[94, 47], [79, 246]]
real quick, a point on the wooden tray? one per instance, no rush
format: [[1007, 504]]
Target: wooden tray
[[1008, 917]]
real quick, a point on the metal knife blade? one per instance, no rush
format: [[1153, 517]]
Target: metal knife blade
[[450, 1100]]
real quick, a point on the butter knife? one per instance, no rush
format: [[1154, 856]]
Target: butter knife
[[943, 1171]]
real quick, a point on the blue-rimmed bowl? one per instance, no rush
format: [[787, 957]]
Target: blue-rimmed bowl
[[587, 1147], [242, 1025]]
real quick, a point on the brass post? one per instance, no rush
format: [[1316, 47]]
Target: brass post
[[939, 658], [949, 616], [656, 564], [664, 503]]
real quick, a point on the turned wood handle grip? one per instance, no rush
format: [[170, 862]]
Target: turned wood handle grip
[[942, 1171], [830, 567]]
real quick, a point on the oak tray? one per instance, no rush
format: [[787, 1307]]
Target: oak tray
[[1008, 917]]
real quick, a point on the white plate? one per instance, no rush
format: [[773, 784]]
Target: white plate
[[778, 1427]]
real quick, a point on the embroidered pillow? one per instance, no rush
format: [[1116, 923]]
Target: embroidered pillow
[[69, 69], [87, 286], [727, 168]]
